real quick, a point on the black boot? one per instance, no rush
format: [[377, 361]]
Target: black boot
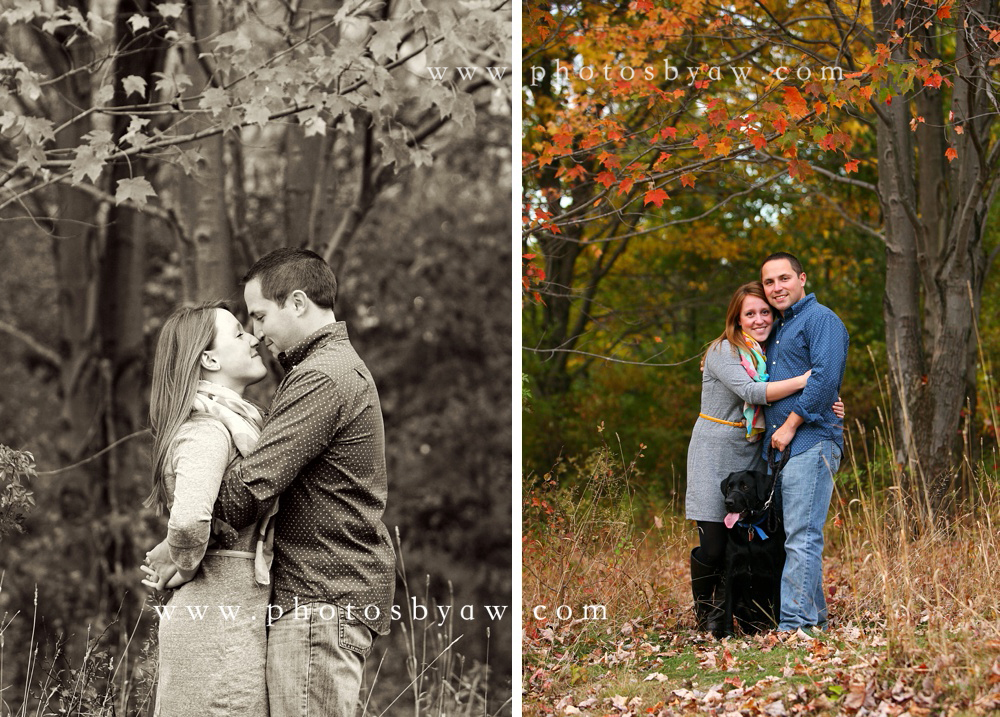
[[706, 587]]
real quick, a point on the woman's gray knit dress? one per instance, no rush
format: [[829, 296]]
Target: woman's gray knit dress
[[212, 664], [716, 450]]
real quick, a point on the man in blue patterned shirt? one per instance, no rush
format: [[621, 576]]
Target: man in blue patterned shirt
[[808, 336]]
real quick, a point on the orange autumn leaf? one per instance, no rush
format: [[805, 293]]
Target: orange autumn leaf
[[687, 180], [606, 178], [609, 160], [795, 103], [951, 153], [851, 166], [655, 196]]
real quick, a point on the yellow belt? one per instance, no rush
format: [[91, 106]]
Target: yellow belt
[[739, 424]]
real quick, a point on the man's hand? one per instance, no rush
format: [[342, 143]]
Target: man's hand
[[782, 437]]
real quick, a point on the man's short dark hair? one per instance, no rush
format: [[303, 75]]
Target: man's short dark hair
[[283, 271], [792, 259]]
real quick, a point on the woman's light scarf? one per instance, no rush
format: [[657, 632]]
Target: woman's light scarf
[[755, 363], [243, 421]]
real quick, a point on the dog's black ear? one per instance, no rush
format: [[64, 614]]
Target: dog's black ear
[[764, 483], [725, 485]]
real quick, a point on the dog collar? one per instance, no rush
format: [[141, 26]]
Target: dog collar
[[756, 527]]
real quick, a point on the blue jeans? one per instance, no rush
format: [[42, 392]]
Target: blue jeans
[[806, 489], [315, 660]]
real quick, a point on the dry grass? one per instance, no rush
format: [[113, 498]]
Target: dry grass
[[919, 593]]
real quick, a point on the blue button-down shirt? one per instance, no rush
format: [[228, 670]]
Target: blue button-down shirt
[[808, 336]]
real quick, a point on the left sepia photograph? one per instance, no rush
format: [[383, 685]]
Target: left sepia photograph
[[256, 360]]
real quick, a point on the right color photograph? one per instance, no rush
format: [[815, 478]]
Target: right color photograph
[[759, 315]]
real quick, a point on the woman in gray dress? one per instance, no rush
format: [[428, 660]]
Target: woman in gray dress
[[212, 640], [726, 437]]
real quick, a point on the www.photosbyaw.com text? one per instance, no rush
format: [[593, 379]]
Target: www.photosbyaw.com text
[[690, 75], [415, 611]]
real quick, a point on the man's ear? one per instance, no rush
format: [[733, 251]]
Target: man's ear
[[300, 302], [802, 278], [208, 361]]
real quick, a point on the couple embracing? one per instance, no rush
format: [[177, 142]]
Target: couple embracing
[[770, 380], [280, 570]]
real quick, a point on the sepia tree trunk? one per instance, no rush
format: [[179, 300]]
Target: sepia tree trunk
[[207, 250]]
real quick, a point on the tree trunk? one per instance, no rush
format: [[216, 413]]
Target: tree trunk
[[933, 216], [208, 255]]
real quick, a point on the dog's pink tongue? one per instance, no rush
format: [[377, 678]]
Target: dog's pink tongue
[[731, 519]]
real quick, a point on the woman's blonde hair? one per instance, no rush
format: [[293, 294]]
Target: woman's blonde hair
[[186, 333], [733, 332]]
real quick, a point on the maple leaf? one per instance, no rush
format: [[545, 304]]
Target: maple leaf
[[702, 141], [933, 81], [136, 190], [170, 9], [759, 141], [562, 138], [609, 160], [795, 103], [104, 95], [577, 172], [951, 153], [687, 180], [667, 133], [314, 126], [625, 185], [605, 178], [944, 12], [86, 163], [256, 112], [851, 166], [384, 45], [134, 83], [237, 40], [214, 99], [138, 22], [723, 146], [655, 196]]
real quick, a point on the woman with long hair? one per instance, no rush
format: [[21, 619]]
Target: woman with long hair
[[726, 436], [212, 640]]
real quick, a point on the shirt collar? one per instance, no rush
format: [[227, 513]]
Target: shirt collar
[[297, 354], [799, 306]]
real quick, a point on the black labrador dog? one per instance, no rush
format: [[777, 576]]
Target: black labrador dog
[[755, 554]]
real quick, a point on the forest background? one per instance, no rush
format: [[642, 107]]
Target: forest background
[[667, 148], [149, 153]]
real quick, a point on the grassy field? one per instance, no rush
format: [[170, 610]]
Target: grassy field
[[609, 624]]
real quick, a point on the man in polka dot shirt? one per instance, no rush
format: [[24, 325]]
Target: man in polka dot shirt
[[322, 456]]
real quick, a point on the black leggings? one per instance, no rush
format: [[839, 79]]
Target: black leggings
[[713, 537]]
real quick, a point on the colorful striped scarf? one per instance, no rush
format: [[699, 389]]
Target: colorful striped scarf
[[755, 363]]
